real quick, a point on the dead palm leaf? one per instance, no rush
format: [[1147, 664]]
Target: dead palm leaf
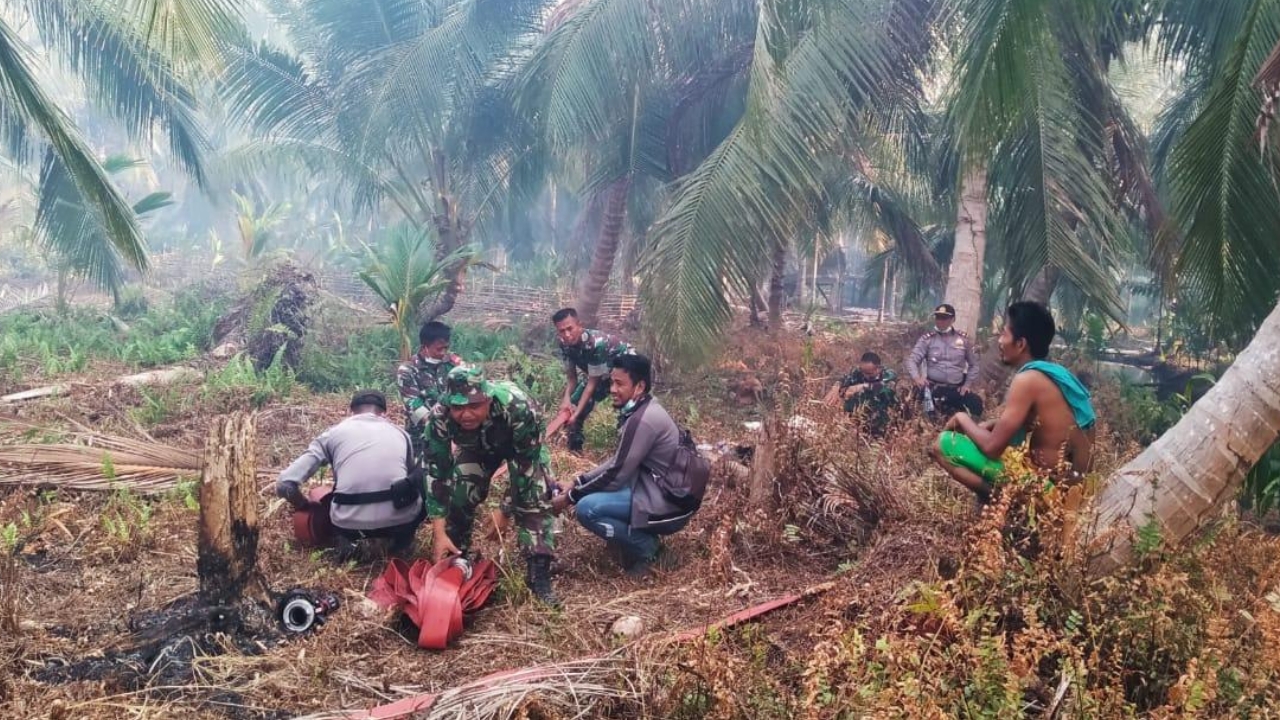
[[91, 461]]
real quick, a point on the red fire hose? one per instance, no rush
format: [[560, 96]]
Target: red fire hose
[[419, 703], [435, 597]]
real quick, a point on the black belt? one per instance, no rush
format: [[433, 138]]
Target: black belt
[[401, 494], [364, 498], [945, 385]]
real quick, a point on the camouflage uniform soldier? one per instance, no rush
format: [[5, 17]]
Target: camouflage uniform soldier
[[870, 386], [588, 358], [944, 362], [489, 423], [422, 380]]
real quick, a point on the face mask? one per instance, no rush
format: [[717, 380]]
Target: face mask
[[631, 405], [432, 361]]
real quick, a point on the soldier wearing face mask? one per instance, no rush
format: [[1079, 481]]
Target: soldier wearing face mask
[[422, 379]]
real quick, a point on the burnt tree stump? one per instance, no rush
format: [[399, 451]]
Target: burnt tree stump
[[227, 561], [761, 480]]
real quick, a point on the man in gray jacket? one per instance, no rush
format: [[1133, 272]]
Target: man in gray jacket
[[619, 500], [374, 495]]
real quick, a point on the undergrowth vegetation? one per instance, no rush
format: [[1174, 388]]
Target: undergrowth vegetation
[[48, 344], [1011, 625]]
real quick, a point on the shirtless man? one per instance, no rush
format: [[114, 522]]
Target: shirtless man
[[1045, 402]]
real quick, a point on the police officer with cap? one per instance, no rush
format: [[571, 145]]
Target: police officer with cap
[[944, 363]]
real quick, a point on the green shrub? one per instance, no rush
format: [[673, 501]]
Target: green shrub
[[1261, 491], [239, 377], [541, 377], [55, 344], [361, 360]]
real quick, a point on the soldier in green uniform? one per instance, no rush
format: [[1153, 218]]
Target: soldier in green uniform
[[489, 423], [588, 358], [422, 380], [870, 386]]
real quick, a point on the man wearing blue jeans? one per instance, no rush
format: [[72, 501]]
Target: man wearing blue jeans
[[619, 500]]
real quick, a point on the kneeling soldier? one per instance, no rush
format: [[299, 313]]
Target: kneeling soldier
[[489, 423]]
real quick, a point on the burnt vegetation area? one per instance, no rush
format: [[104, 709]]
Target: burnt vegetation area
[[915, 606]]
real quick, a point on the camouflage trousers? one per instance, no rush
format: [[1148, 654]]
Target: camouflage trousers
[[575, 438], [527, 500]]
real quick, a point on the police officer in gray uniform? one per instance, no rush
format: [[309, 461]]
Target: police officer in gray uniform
[[943, 362]]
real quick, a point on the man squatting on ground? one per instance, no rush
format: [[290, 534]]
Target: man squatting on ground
[[619, 500], [422, 380], [489, 423], [376, 493], [1045, 402], [944, 362], [870, 386], [588, 355]]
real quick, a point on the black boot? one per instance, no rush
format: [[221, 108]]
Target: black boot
[[575, 439], [539, 579]]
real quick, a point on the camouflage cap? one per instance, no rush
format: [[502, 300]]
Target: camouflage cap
[[466, 385]]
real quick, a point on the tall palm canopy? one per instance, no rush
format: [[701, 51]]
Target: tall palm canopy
[[134, 58], [729, 132]]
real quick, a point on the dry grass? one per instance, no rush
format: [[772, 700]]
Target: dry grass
[[932, 607]]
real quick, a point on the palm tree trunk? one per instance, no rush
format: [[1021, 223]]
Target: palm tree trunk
[[452, 233], [893, 293], [802, 281], [606, 248], [1185, 477], [993, 373], [777, 291], [964, 281], [884, 291], [758, 303]]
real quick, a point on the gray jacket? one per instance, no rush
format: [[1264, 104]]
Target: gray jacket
[[647, 447], [948, 358], [368, 453]]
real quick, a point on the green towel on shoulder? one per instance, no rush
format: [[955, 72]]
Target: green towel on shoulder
[[1072, 389]]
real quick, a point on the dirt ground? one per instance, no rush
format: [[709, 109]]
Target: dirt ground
[[79, 587]]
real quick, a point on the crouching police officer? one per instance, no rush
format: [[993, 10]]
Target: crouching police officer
[[376, 493]]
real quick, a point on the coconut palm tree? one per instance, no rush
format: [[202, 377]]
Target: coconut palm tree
[[402, 100], [1225, 205], [1043, 143], [403, 271], [132, 57], [638, 88], [823, 81]]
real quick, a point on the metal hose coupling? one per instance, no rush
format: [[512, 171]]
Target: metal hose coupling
[[461, 562], [302, 610]]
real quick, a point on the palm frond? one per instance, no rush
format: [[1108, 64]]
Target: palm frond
[[74, 234], [299, 159], [583, 75], [1029, 94], [97, 462], [21, 94], [1225, 197], [808, 82], [192, 32], [273, 92], [126, 77]]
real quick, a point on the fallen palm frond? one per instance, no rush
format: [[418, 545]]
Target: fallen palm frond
[[577, 688], [93, 461], [106, 465]]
